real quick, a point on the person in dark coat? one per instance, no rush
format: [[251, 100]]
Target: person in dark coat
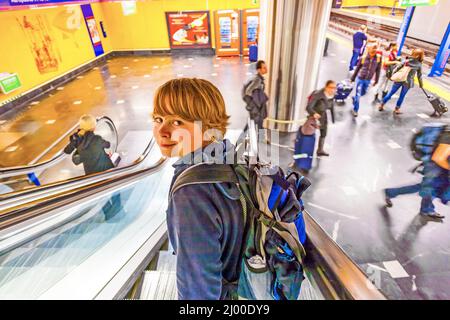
[[321, 101], [255, 96], [89, 147], [90, 151]]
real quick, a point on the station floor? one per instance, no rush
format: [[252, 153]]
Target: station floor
[[121, 89], [405, 255]]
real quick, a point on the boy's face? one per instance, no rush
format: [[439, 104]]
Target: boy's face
[[175, 136]]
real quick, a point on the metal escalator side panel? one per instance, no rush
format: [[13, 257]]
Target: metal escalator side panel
[[350, 282]]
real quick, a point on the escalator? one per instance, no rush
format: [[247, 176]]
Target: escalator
[[52, 164], [105, 237]]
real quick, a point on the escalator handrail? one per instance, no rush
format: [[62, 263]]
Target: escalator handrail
[[13, 199], [33, 167], [349, 275], [31, 210]]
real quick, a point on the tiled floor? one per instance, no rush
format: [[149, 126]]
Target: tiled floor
[[121, 89], [368, 154]]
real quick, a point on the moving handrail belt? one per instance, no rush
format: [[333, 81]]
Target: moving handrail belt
[[30, 209]]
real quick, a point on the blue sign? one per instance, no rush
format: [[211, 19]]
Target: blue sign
[[404, 28], [442, 57], [91, 26]]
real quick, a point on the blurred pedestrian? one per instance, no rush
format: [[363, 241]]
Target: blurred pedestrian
[[403, 78]]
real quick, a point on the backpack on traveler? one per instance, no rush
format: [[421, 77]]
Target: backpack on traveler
[[425, 141], [244, 88], [272, 253]]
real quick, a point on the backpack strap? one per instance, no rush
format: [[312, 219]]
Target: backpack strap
[[202, 174]]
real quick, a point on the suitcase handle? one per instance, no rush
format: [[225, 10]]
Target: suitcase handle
[[426, 93]]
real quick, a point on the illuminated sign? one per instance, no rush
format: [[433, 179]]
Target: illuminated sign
[[9, 82], [128, 8], [410, 3], [188, 29]]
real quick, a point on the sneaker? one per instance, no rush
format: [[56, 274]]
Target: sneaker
[[354, 113], [433, 215], [388, 200]]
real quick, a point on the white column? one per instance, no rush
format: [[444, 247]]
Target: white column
[[292, 40]]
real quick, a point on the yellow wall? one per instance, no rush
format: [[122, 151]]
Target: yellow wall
[[363, 3], [99, 15], [147, 28], [144, 30], [71, 43]]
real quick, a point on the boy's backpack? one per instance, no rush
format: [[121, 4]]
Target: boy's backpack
[[425, 141], [272, 249]]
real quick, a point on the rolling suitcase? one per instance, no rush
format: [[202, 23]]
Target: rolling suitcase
[[344, 88], [437, 104], [304, 145], [253, 53]]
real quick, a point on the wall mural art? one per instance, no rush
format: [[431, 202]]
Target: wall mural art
[[68, 21], [41, 42]]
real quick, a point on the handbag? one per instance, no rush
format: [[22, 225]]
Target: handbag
[[401, 75]]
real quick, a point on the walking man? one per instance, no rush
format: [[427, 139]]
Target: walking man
[[369, 66]]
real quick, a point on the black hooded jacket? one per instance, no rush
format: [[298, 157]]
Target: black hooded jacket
[[90, 150]]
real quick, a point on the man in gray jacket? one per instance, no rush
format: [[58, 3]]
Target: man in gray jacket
[[255, 96], [319, 102]]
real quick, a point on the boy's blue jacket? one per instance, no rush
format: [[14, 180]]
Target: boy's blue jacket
[[205, 225]]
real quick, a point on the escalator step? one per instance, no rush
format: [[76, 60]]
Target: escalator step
[[159, 286], [167, 262]]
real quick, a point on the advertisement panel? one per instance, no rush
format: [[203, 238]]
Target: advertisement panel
[[92, 29], [188, 29]]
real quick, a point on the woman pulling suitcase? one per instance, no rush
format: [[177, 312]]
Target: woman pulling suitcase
[[403, 78]]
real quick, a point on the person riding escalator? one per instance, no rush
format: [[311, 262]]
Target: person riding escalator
[[89, 147], [90, 151]]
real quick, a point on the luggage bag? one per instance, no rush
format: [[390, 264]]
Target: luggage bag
[[344, 88], [304, 150], [253, 53], [437, 103]]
